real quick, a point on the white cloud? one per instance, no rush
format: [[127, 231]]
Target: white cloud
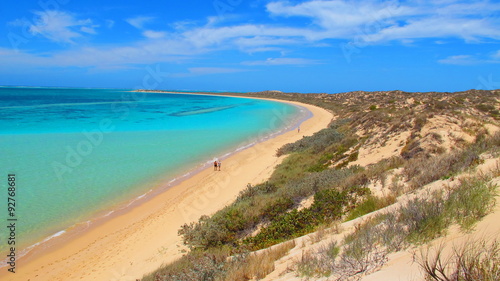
[[183, 25], [471, 60], [459, 60], [365, 21], [60, 26], [154, 34], [140, 21], [496, 55], [213, 70], [89, 29], [199, 71], [282, 61], [140, 53], [110, 23], [381, 21], [347, 15]]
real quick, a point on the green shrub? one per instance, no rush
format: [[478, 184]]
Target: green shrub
[[441, 105], [252, 191], [322, 163], [295, 166], [370, 204], [315, 143], [204, 234], [422, 171], [373, 107], [485, 107], [278, 207], [329, 204], [420, 122], [313, 182], [284, 227], [412, 149], [470, 201], [425, 219], [220, 229], [353, 156], [197, 265]]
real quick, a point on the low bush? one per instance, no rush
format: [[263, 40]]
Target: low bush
[[315, 143], [278, 207], [252, 191], [294, 167], [314, 182], [473, 199], [370, 204], [218, 230], [197, 265], [257, 265], [419, 220], [485, 107], [329, 204], [359, 254], [284, 227], [424, 219], [421, 171]]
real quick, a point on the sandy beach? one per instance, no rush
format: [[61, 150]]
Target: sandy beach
[[140, 239]]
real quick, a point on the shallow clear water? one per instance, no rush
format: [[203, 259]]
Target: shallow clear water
[[77, 152]]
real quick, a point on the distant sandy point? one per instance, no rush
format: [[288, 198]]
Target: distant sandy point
[[142, 238]]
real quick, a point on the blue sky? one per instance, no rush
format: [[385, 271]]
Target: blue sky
[[252, 45]]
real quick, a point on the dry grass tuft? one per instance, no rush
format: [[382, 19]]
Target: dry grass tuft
[[475, 260], [258, 265]]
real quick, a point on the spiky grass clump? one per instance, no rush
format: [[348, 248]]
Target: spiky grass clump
[[475, 260]]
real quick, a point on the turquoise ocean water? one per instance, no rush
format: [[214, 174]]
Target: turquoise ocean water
[[77, 153]]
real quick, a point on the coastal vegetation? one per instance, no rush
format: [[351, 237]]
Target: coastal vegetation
[[475, 260], [418, 221], [327, 178]]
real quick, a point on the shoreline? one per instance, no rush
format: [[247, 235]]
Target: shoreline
[[139, 238], [154, 188]]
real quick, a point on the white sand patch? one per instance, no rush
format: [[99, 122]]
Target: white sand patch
[[371, 153]]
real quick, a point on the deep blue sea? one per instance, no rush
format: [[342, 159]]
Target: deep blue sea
[[77, 153]]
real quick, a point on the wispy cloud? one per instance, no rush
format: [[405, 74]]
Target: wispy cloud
[[140, 21], [459, 60], [471, 60], [154, 34], [199, 71], [371, 21], [60, 26], [282, 61], [110, 23], [380, 21], [496, 55]]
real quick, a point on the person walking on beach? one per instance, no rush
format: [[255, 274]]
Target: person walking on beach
[[219, 164], [215, 165]]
